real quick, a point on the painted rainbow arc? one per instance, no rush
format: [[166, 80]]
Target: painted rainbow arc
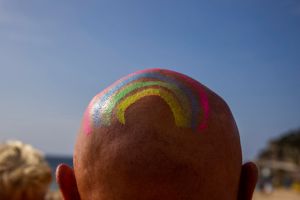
[[188, 105]]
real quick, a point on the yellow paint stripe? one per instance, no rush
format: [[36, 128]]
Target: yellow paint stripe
[[181, 119], [111, 102]]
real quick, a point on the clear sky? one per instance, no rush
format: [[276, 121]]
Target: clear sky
[[56, 55]]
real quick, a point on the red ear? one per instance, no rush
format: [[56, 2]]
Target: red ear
[[65, 178], [248, 181]]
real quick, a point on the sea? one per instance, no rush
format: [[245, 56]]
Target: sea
[[54, 161]]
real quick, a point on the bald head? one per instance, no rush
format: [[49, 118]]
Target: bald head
[[157, 134]]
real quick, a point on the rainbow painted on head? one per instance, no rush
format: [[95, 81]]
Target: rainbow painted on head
[[185, 97]]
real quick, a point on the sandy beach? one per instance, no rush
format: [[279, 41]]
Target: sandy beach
[[278, 195]]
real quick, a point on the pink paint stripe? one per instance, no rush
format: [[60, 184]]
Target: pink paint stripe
[[205, 104], [87, 122]]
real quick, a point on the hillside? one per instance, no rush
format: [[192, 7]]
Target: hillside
[[284, 148]]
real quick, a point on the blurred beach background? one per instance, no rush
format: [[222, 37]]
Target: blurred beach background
[[56, 55]]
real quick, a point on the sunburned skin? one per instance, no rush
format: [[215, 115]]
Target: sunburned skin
[[157, 135]]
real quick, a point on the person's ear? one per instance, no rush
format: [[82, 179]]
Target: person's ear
[[66, 180], [248, 181]]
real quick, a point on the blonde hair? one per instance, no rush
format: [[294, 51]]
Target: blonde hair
[[24, 173]]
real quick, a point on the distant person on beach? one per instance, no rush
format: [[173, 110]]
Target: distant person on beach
[[157, 135], [24, 173]]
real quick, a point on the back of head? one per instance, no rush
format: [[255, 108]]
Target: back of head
[[157, 134], [24, 174]]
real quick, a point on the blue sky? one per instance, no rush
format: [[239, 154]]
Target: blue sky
[[56, 55]]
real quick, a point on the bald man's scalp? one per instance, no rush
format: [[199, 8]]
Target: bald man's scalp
[[157, 134]]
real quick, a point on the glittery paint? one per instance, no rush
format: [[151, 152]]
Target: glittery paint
[[185, 96], [204, 102], [181, 118], [150, 75], [114, 99]]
